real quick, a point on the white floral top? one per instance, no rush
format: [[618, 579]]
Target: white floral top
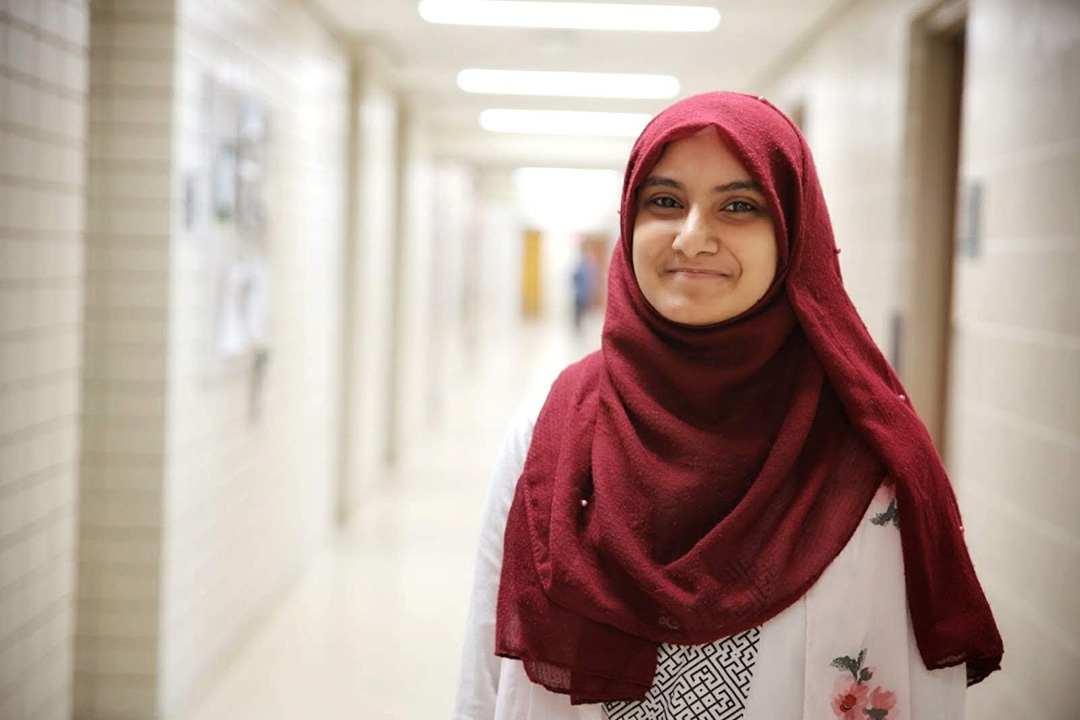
[[845, 650]]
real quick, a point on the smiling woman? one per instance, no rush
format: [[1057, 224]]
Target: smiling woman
[[704, 242], [731, 510]]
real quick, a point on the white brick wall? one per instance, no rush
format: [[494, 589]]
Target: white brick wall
[[1016, 405], [193, 520], [247, 506], [853, 84], [43, 90], [369, 441], [128, 234]]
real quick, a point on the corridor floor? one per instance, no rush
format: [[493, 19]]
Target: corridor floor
[[374, 630]]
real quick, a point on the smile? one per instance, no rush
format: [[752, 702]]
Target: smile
[[697, 274]]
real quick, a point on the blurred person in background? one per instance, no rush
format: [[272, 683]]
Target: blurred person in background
[[731, 510], [584, 280]]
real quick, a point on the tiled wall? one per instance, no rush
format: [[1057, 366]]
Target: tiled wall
[[851, 85], [1015, 419], [195, 516], [415, 322], [127, 315], [1014, 425], [43, 95], [249, 503], [369, 437]]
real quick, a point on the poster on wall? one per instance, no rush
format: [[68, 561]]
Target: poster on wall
[[232, 231]]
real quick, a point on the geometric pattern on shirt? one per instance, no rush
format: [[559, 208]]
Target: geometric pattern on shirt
[[694, 682]]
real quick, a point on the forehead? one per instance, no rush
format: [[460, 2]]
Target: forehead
[[704, 152]]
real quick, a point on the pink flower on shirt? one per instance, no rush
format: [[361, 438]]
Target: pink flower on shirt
[[852, 698], [849, 699], [881, 699]]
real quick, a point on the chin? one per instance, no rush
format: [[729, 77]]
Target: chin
[[693, 315]]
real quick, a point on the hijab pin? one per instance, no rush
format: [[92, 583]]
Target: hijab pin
[[584, 503]]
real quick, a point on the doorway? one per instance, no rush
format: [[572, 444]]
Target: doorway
[[924, 331]]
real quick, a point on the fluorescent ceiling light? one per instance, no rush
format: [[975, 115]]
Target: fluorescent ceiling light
[[564, 122], [567, 84], [571, 15]]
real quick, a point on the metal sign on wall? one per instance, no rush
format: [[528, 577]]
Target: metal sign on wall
[[969, 238]]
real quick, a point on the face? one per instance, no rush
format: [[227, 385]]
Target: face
[[704, 249]]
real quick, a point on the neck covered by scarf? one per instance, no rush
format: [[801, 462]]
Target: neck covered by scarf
[[685, 484]]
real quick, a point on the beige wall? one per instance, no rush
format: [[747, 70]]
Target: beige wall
[[371, 283], [250, 503], [415, 322], [1014, 426], [43, 86], [117, 626], [454, 202], [851, 83], [1016, 395], [196, 518]]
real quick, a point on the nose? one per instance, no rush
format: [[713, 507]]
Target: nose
[[696, 236]]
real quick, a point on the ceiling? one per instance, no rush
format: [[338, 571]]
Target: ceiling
[[752, 38]]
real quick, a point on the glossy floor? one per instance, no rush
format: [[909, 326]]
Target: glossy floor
[[374, 630]]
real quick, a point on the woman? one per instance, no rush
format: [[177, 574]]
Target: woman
[[731, 510]]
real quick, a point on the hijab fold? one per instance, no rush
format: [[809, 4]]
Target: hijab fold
[[685, 484]]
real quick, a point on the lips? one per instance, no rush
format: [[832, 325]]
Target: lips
[[696, 273]]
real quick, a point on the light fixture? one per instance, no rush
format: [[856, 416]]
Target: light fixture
[[567, 84], [571, 15], [564, 122]]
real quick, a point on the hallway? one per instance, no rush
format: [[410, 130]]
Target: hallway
[[374, 630], [274, 275]]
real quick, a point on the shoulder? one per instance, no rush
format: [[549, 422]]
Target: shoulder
[[565, 390], [575, 383], [519, 432]]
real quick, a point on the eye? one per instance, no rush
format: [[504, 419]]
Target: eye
[[664, 201], [740, 206]]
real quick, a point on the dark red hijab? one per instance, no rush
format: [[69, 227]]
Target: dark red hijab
[[685, 484]]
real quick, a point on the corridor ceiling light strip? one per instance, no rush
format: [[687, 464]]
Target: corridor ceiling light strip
[[567, 84], [564, 122], [571, 15]]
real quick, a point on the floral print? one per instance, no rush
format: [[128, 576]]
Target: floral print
[[889, 516], [852, 698], [849, 699], [882, 699]]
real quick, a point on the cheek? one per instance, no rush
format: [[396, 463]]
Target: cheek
[[758, 256], [646, 244], [765, 260]]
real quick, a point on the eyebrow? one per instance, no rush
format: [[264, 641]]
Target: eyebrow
[[726, 187]]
